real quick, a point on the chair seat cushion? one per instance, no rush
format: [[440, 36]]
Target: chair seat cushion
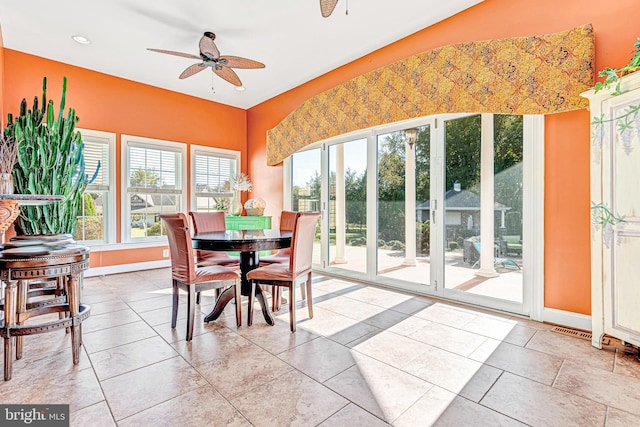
[[216, 261], [275, 259], [271, 272], [217, 257], [214, 272]]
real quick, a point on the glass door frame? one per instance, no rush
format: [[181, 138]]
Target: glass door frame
[[533, 214], [372, 206], [533, 221]]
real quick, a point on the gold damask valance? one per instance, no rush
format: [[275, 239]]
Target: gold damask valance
[[524, 75]]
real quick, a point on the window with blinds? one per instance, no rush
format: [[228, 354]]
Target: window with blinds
[[154, 185], [212, 172], [97, 212]]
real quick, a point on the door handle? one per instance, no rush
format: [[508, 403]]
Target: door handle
[[434, 203]]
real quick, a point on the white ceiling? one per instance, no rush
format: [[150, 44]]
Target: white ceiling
[[290, 37]]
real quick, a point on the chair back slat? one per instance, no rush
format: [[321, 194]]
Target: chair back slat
[[208, 222], [287, 223], [287, 220], [182, 253], [302, 242]]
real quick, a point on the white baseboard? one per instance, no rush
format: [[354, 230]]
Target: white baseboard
[[126, 268], [566, 318]]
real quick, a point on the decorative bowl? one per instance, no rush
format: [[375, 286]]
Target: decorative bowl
[[255, 207]]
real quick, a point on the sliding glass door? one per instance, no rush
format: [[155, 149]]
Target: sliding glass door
[[441, 206], [403, 176], [347, 207], [481, 190]]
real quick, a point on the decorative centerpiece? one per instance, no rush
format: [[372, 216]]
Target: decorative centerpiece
[[255, 207], [239, 183]]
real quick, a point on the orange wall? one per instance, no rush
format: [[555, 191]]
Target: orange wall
[[112, 104], [567, 255]]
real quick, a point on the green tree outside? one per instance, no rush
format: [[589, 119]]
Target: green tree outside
[[463, 148], [144, 178]]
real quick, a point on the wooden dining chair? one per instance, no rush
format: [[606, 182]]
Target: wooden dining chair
[[188, 277], [297, 271], [211, 222], [282, 256], [287, 222]]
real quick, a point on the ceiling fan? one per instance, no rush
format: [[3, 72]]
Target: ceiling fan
[[210, 57], [327, 6]]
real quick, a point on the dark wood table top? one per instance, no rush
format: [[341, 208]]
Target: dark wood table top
[[242, 240]]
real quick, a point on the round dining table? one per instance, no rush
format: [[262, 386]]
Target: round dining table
[[248, 243]]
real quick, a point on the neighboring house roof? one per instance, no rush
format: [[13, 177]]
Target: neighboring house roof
[[462, 200], [152, 202]]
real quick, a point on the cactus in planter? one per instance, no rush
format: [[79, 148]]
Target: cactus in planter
[[50, 161]]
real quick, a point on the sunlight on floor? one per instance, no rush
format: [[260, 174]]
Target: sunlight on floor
[[417, 363]]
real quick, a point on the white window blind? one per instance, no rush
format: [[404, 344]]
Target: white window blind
[[96, 152], [213, 173], [96, 218], [154, 170], [154, 185]]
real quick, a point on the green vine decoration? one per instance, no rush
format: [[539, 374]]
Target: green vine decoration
[[603, 215], [631, 117], [612, 75], [632, 112], [626, 124]]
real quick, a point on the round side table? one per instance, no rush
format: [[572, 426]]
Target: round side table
[[29, 260]]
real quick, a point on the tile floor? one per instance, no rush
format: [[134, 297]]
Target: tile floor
[[369, 357]]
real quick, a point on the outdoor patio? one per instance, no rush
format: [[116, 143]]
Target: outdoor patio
[[459, 274]]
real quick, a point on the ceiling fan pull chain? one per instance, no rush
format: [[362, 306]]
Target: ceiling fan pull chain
[[347, 8], [213, 89]]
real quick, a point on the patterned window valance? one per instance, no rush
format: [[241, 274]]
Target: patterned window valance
[[524, 75]]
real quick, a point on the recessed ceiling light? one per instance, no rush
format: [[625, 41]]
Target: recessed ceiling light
[[81, 39], [240, 88]]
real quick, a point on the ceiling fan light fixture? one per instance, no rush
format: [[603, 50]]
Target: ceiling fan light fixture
[[78, 38], [240, 88], [209, 56]]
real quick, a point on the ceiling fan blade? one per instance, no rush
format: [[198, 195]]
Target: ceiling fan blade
[[191, 70], [207, 46], [327, 6], [239, 62], [228, 74], [171, 52]]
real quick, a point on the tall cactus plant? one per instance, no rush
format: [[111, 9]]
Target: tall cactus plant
[[51, 162]]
